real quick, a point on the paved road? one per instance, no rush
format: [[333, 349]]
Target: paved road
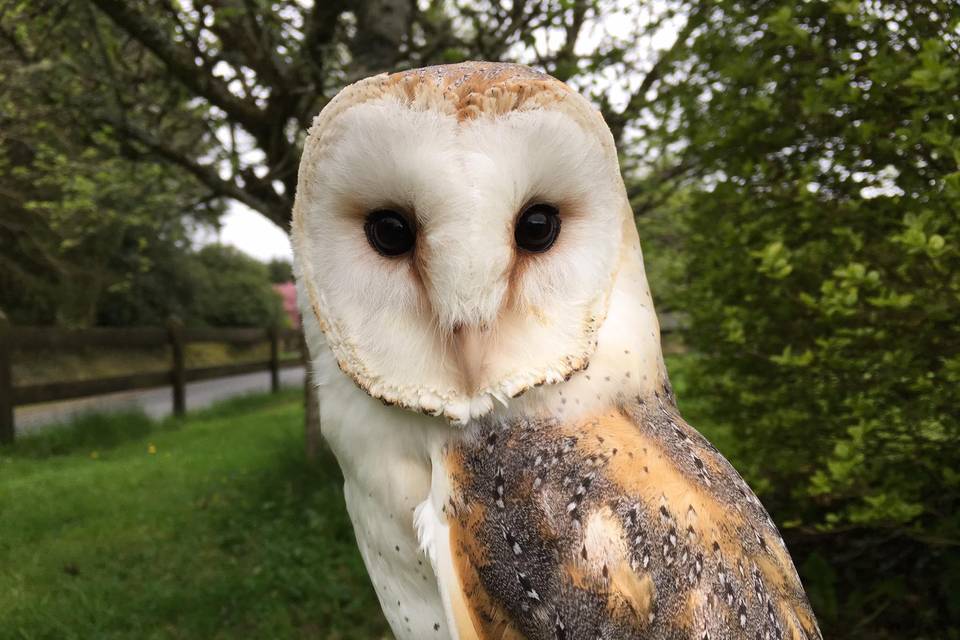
[[157, 403]]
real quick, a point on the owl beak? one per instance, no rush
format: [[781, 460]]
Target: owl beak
[[469, 341]]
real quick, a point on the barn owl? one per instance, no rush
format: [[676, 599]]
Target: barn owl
[[489, 372]]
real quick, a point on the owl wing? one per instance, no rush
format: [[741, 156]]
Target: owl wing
[[626, 525]]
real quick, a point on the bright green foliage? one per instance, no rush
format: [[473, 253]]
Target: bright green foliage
[[233, 289], [821, 252], [95, 227]]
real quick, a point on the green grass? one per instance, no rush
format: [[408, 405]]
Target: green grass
[[210, 527]]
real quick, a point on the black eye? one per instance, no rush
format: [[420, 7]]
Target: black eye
[[538, 228], [389, 232]]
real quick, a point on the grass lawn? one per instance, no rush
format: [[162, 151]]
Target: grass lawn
[[210, 527]]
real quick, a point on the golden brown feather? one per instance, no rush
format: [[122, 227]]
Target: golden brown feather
[[627, 525]]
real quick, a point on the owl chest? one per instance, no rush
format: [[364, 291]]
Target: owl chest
[[401, 575], [386, 473]]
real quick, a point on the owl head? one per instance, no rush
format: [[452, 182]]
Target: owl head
[[459, 233]]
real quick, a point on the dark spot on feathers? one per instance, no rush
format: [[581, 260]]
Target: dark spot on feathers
[[559, 629]]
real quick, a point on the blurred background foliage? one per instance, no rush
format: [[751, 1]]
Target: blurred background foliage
[[817, 257], [793, 167]]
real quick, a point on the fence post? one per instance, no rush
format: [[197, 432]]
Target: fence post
[[6, 382], [178, 376], [274, 334]]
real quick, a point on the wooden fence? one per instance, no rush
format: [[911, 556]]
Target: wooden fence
[[26, 339]]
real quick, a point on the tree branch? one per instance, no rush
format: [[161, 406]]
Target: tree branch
[[381, 25], [566, 59], [273, 207], [180, 62], [638, 99], [666, 183], [319, 31]]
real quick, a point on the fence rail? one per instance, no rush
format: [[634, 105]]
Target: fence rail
[[26, 339], [175, 336]]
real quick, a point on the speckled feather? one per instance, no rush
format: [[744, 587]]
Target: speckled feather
[[626, 525]]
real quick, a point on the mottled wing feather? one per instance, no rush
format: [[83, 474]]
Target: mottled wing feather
[[627, 525]]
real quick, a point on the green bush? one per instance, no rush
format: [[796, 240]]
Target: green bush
[[233, 289], [822, 278], [216, 286]]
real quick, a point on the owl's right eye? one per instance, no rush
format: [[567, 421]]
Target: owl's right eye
[[537, 228], [389, 232]]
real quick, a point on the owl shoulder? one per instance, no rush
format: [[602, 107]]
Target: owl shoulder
[[624, 525]]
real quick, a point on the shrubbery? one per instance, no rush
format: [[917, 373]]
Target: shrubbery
[[821, 272], [215, 286]]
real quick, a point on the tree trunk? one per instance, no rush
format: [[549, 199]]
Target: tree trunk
[[311, 410], [312, 437], [381, 27]]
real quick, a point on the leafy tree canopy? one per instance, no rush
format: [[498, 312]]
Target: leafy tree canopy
[[84, 214]]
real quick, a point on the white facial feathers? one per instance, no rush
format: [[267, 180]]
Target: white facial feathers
[[466, 318]]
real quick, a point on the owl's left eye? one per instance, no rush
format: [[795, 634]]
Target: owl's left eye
[[389, 232], [537, 228]]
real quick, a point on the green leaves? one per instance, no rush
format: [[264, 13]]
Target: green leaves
[[822, 277], [782, 24], [918, 237], [934, 73], [841, 293], [788, 358], [774, 260]]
